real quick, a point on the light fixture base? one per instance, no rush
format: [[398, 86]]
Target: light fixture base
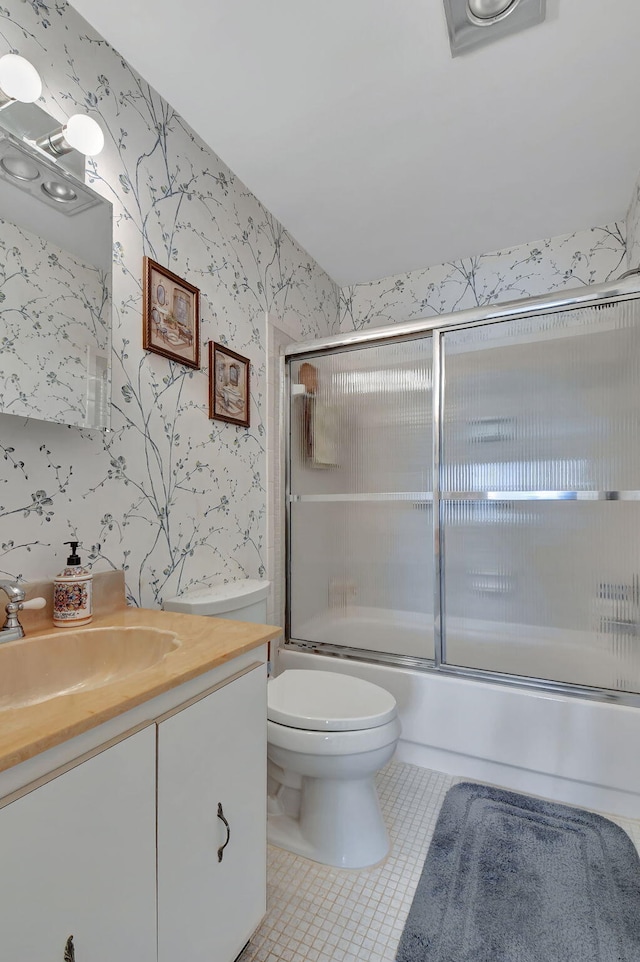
[[31, 123], [26, 169], [467, 32]]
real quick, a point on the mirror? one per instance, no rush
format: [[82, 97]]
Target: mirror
[[55, 291]]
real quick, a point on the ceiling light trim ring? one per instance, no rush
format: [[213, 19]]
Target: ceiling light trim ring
[[480, 19], [19, 168], [59, 192]]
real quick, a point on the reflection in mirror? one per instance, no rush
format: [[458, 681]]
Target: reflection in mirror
[[55, 291]]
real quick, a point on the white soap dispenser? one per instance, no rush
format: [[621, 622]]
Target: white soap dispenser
[[72, 593]]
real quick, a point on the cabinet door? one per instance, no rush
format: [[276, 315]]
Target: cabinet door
[[77, 857], [210, 754]]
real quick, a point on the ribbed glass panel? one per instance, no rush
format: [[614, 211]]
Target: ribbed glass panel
[[361, 563], [362, 576], [536, 582], [545, 589], [544, 403]]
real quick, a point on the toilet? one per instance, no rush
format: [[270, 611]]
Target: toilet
[[328, 735], [244, 600]]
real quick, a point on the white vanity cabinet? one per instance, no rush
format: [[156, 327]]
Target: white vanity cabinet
[[118, 847], [77, 857], [212, 875]]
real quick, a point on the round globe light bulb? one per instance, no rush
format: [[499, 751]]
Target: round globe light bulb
[[83, 133], [19, 79]]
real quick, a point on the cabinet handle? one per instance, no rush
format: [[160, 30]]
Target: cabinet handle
[[69, 951], [226, 825]]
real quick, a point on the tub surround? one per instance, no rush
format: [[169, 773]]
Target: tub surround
[[204, 644]]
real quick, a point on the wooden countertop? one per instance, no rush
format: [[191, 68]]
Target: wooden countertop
[[205, 643]]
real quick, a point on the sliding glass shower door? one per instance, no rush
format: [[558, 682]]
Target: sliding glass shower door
[[540, 480], [522, 433], [360, 513]]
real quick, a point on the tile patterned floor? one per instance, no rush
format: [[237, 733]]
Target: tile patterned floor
[[320, 914]]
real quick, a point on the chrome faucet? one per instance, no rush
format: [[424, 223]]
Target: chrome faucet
[[12, 630]]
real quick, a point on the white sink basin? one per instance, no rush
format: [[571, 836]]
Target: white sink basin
[[33, 670]]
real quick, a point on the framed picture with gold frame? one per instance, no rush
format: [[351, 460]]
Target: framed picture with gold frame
[[170, 315], [229, 394]]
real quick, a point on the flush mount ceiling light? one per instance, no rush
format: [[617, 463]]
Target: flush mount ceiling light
[[474, 23], [485, 12]]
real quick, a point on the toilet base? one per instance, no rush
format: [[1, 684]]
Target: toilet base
[[340, 823]]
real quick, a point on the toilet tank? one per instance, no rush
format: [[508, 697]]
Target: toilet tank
[[238, 600]]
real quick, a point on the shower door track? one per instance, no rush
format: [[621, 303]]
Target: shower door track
[[426, 665], [624, 289], [593, 296]]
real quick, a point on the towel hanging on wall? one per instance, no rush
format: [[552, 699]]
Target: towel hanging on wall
[[320, 423]]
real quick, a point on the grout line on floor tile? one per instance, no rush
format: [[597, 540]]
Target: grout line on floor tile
[[316, 913]]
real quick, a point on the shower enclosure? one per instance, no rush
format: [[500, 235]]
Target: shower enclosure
[[463, 493]]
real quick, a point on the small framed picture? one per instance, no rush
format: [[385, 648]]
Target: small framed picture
[[229, 397], [170, 315]]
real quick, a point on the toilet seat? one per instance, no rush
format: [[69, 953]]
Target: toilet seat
[[317, 743], [325, 701]]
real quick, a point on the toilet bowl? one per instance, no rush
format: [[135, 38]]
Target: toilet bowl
[[328, 734], [327, 737]]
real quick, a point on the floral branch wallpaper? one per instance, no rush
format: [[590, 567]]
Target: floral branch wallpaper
[[173, 498], [586, 257]]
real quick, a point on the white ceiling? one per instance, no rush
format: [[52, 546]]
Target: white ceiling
[[379, 152]]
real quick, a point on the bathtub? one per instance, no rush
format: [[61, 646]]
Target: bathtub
[[372, 629], [498, 646], [564, 747]]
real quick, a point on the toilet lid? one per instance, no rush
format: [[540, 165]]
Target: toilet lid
[[219, 599], [327, 701]]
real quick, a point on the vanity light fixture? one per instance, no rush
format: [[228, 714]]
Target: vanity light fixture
[[81, 133], [19, 80], [474, 23], [69, 143]]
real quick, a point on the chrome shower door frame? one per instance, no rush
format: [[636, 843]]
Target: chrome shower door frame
[[626, 288]]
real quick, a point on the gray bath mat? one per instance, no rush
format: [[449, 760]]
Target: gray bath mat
[[509, 878]]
